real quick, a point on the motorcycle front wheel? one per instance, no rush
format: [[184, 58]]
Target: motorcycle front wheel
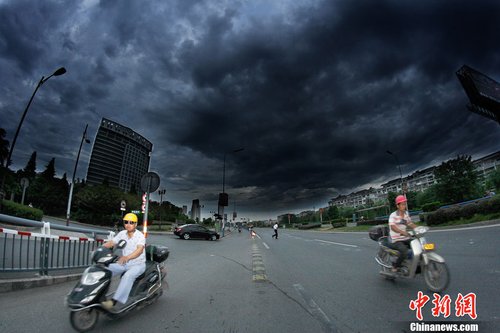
[[437, 276], [84, 320]]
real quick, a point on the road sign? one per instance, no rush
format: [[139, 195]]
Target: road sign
[[123, 204], [150, 182], [25, 182]]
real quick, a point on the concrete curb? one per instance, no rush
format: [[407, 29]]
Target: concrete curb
[[19, 284]]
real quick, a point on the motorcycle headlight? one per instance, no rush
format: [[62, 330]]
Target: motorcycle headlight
[[429, 246], [90, 278]]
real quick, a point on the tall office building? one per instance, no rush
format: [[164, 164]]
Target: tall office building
[[196, 210], [119, 155]]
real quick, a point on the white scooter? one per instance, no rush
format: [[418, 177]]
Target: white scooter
[[421, 258]]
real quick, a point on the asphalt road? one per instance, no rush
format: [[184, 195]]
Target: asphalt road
[[302, 282]]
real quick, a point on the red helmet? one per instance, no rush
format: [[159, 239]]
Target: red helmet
[[400, 199]]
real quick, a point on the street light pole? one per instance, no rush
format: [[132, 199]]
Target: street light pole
[[221, 205], [161, 193], [58, 72], [84, 138], [399, 167]]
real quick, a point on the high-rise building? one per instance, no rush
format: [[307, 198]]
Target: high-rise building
[[119, 155], [196, 210]]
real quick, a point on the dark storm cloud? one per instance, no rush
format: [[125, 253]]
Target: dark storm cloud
[[315, 91]]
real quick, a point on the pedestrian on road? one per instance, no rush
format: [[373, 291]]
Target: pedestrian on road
[[275, 227], [132, 263]]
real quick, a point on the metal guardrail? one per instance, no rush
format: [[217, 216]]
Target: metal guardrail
[[24, 251]]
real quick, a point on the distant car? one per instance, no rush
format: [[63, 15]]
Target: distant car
[[188, 231]]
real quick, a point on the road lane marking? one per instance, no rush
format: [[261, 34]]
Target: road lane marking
[[265, 245], [315, 310], [323, 241], [466, 228]]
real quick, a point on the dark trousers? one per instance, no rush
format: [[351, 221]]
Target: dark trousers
[[402, 247], [275, 233]]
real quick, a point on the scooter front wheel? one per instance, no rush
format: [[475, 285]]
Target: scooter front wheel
[[84, 320], [437, 276]]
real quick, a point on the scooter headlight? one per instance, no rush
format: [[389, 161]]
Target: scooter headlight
[[90, 278], [429, 246]]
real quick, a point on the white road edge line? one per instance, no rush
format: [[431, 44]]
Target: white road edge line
[[323, 241], [466, 228]]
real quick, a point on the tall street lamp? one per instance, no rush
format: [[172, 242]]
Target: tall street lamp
[[399, 167], [223, 197], [84, 138], [161, 193], [58, 72]]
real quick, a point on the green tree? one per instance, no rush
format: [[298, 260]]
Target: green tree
[[97, 205], [427, 196], [50, 170], [456, 180], [29, 170], [46, 191], [332, 213], [493, 181]]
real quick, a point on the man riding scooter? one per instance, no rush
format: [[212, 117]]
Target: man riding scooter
[[132, 263], [400, 238]]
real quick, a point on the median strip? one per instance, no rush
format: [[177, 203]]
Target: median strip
[[258, 268]]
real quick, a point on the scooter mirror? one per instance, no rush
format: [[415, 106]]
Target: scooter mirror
[[121, 243]]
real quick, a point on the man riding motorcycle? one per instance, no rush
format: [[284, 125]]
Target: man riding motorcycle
[[133, 261], [399, 237]]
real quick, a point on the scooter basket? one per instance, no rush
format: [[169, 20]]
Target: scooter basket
[[378, 231], [158, 253]]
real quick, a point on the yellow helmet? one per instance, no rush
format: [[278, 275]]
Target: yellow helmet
[[130, 217]]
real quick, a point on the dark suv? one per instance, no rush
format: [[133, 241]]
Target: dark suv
[[188, 231]]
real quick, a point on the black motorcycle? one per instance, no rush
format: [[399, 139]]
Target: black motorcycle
[[84, 301]]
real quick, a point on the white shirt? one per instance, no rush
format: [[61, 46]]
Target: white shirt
[[275, 227], [132, 243], [401, 223]]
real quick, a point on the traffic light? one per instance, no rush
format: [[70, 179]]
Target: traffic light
[[223, 199]]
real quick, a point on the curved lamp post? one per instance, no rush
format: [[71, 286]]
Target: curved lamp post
[[84, 138], [58, 72], [399, 167]]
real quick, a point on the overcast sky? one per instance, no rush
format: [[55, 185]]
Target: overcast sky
[[315, 91]]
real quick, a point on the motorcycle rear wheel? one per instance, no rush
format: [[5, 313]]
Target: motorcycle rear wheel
[[386, 258], [84, 320], [436, 276]]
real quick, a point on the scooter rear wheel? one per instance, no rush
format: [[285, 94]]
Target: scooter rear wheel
[[436, 276], [84, 320], [385, 258]]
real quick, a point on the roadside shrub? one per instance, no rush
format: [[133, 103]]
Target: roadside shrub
[[492, 206], [369, 222], [431, 206], [469, 211], [443, 215], [438, 217], [310, 226], [18, 210], [337, 223]]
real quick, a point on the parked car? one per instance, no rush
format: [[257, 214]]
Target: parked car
[[188, 231]]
